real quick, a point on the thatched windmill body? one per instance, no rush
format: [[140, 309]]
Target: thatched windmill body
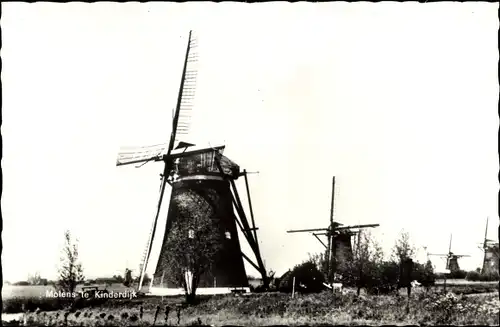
[[338, 247], [206, 178]]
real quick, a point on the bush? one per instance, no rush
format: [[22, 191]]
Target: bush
[[458, 274], [474, 276], [308, 279], [383, 278], [16, 304], [424, 274], [21, 283]]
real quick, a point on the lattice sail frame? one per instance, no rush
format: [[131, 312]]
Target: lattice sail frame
[[130, 154], [138, 154], [189, 89]]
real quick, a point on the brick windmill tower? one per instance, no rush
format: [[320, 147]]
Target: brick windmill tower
[[205, 179]]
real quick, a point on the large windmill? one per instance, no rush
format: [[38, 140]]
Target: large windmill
[[206, 178], [491, 254], [451, 258], [338, 248]]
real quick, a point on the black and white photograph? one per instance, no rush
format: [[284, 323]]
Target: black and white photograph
[[250, 164]]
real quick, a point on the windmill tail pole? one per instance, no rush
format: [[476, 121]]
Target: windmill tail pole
[[251, 210]]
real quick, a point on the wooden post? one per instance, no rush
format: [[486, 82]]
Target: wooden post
[[327, 258], [444, 275], [251, 209], [293, 287]]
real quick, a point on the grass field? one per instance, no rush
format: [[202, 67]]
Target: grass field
[[280, 309]]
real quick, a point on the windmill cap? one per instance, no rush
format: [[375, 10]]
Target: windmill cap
[[184, 145]]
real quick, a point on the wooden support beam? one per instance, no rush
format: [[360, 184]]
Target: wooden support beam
[[237, 203], [247, 226], [251, 262], [327, 257], [251, 210], [244, 221], [244, 228], [316, 235]]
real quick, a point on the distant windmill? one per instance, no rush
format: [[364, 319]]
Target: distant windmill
[[491, 254], [451, 258], [338, 247]]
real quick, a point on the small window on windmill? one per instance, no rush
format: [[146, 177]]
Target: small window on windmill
[[228, 235], [191, 233]]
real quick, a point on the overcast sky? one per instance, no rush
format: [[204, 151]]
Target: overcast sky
[[397, 100]]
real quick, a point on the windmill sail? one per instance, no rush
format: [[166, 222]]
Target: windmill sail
[[182, 116], [180, 126], [153, 230], [131, 155], [204, 178], [181, 122]]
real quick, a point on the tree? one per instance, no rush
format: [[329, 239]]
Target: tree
[[193, 245], [429, 277], [319, 260], [403, 253], [70, 270], [35, 279], [363, 269], [403, 248], [118, 279]]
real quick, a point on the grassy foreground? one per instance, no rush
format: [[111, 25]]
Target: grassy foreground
[[281, 309]]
